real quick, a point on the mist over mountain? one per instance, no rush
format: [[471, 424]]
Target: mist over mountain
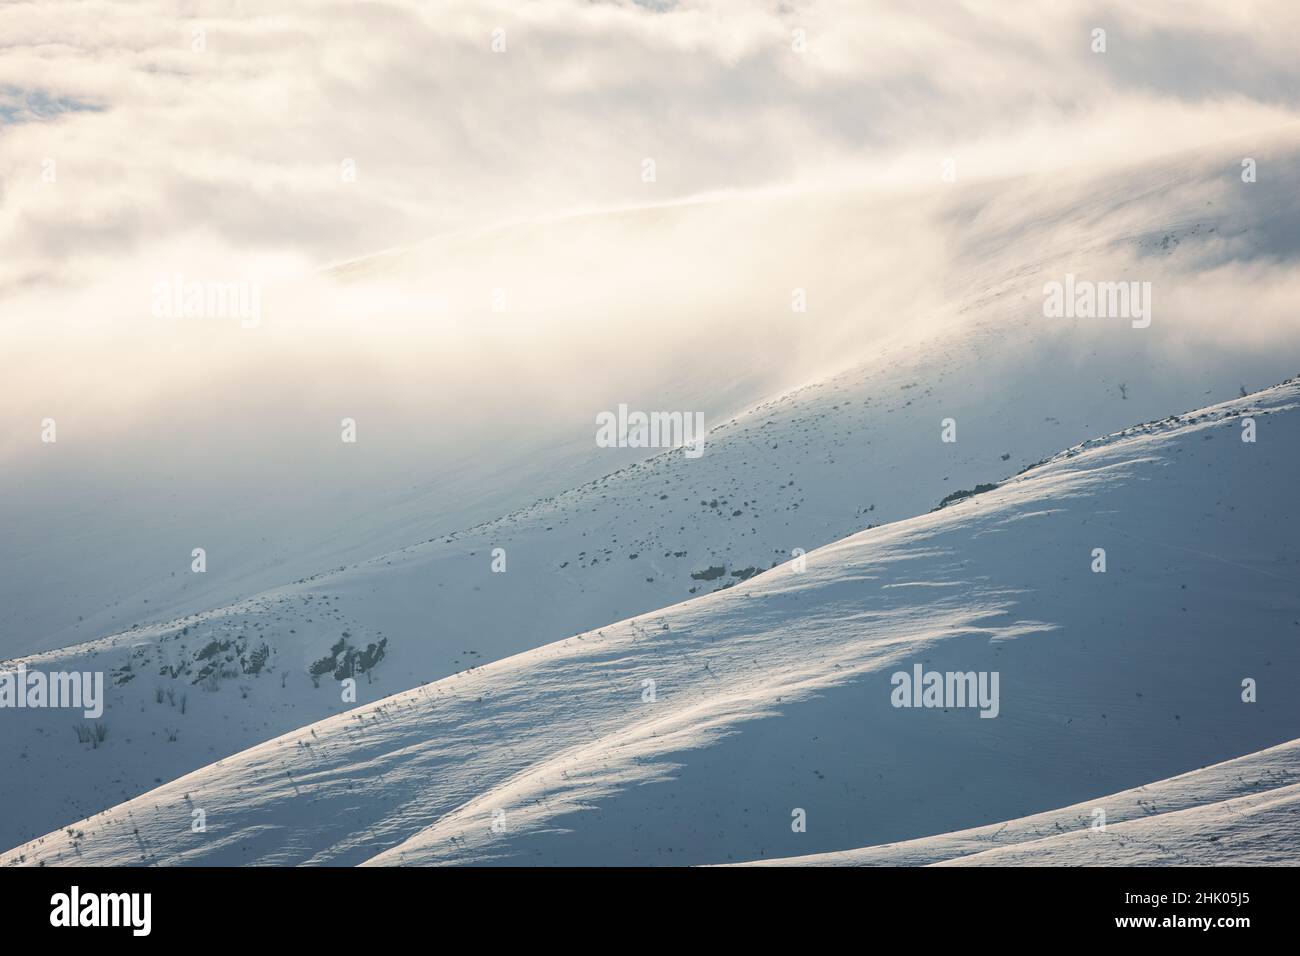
[[621, 434]]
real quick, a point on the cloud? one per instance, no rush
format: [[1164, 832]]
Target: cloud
[[165, 117]]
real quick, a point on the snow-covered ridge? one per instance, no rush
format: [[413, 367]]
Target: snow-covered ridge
[[1240, 811], [692, 734]]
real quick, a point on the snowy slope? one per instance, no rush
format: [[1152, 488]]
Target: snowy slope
[[1241, 811], [241, 454], [849, 451], [774, 695]]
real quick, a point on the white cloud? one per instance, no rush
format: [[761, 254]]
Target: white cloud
[[245, 139]]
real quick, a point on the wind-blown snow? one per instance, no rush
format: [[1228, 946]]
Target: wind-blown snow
[[774, 695]]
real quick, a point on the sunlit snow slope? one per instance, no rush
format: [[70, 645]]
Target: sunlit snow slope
[[1239, 812], [692, 734]]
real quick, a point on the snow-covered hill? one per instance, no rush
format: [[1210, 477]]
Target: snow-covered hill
[[848, 451], [1239, 812], [698, 733]]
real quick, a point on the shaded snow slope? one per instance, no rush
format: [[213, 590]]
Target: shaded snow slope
[[1240, 812], [774, 695]]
